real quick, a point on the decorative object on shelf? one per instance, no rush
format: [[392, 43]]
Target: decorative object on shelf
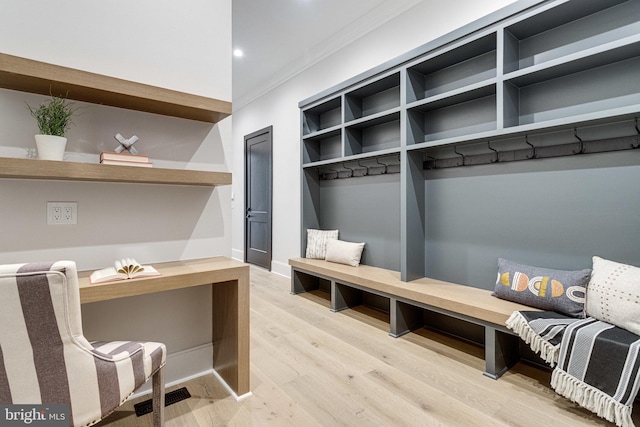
[[124, 159], [126, 144], [54, 119]]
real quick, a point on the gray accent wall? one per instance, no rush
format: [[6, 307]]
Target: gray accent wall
[[554, 213], [554, 84], [366, 210]]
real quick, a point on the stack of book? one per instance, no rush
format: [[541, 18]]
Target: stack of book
[[124, 159]]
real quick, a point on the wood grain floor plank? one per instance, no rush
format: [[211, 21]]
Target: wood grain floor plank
[[312, 367]]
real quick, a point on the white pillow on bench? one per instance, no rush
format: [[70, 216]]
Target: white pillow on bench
[[344, 252], [613, 294], [317, 242]]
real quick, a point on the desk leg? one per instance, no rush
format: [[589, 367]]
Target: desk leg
[[231, 332]]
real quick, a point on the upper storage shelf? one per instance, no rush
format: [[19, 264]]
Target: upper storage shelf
[[464, 66], [322, 117], [38, 77], [74, 171], [566, 30]]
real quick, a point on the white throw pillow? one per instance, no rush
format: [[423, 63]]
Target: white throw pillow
[[344, 252], [317, 242], [613, 294]]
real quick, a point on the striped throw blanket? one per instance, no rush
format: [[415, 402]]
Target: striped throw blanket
[[596, 364]]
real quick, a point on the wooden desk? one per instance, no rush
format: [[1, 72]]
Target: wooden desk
[[230, 319]]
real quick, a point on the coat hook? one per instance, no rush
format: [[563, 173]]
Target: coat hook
[[366, 168], [581, 143], [497, 159], [637, 144], [431, 159], [535, 154], [381, 164], [349, 169], [455, 150], [328, 175]]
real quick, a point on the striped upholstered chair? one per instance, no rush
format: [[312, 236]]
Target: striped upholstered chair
[[45, 359]]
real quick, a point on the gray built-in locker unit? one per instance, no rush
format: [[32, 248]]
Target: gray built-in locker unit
[[515, 136]]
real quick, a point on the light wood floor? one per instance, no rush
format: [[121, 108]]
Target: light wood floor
[[312, 367]]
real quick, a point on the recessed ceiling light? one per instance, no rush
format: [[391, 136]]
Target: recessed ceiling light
[[238, 53]]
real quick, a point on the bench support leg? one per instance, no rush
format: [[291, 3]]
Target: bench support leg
[[301, 282], [343, 297], [404, 318], [500, 352]]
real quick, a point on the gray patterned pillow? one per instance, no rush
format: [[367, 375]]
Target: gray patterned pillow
[[317, 242], [556, 290]]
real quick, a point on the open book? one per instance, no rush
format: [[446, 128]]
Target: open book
[[126, 268]]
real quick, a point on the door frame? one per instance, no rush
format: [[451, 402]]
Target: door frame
[[269, 131]]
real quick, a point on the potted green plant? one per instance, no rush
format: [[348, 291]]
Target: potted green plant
[[53, 118]]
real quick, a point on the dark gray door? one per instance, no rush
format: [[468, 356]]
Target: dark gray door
[[257, 201]]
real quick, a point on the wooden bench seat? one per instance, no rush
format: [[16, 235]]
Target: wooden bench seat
[[408, 300]]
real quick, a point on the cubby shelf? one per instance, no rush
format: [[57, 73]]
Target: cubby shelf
[[75, 171], [544, 70], [352, 158], [27, 75], [463, 66], [322, 117], [379, 96], [564, 30]]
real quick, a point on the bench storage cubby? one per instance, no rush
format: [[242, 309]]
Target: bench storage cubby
[[416, 304]]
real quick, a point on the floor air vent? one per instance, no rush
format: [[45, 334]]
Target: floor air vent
[[170, 398]]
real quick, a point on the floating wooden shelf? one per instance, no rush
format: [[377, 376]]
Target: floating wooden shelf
[[39, 77], [74, 171]]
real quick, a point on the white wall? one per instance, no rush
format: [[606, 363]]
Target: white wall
[[419, 25], [184, 46]]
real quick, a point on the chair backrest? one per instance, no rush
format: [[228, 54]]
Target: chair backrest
[[39, 317]]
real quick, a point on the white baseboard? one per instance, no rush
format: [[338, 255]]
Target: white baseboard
[[281, 268], [237, 254], [277, 267], [186, 365]]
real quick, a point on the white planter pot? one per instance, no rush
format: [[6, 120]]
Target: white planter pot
[[50, 147]]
